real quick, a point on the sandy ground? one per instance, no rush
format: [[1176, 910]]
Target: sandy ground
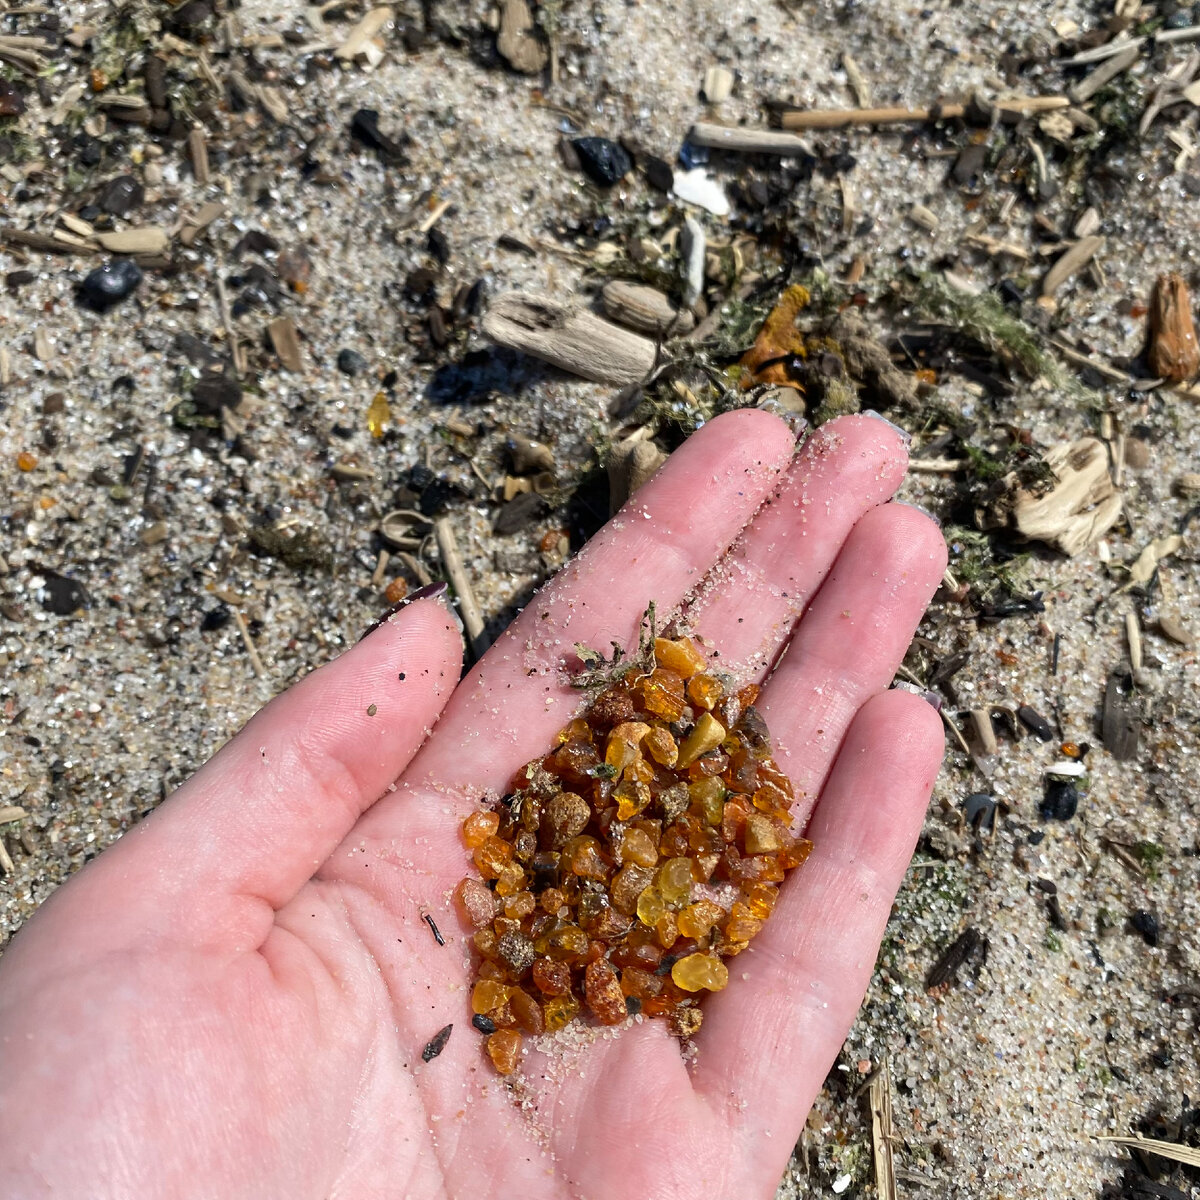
[[999, 1081]]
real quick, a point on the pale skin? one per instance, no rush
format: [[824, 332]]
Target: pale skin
[[232, 1000]]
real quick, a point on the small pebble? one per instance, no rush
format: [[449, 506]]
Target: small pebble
[[120, 196], [1035, 723], [483, 1023], [1060, 800], [604, 161], [108, 285], [437, 1043], [350, 362], [1146, 923], [12, 102]]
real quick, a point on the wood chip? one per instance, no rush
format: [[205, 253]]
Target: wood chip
[[1120, 724], [718, 84], [1087, 87], [84, 229], [200, 220], [857, 81], [747, 141], [11, 812], [1133, 638], [517, 40], [286, 343], [198, 154], [1147, 562], [1170, 626], [569, 337], [146, 240], [1072, 262], [363, 32], [646, 309], [5, 367]]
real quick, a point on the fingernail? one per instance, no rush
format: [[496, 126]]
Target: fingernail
[[905, 436], [932, 516], [933, 699], [431, 591]]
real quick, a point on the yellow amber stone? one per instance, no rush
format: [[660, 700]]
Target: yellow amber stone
[[622, 748], [577, 731], [772, 799], [491, 856], [638, 847], [510, 881], [650, 907], [489, 995], [478, 827], [667, 929], [697, 919], [662, 746], [708, 795], [378, 415], [699, 972], [559, 1011], [742, 924], [674, 882], [707, 735], [632, 797], [704, 691], [26, 461], [504, 1049], [762, 835], [681, 655], [761, 899], [519, 906]]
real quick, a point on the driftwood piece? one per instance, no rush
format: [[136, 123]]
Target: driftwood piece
[[286, 343], [571, 338], [646, 309], [1082, 506], [147, 240]]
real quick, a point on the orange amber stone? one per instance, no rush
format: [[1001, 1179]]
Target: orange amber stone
[[489, 994], [637, 847], [581, 856], [475, 902], [762, 835], [551, 978], [559, 1010], [674, 881], [627, 885], [491, 856], [520, 906], [704, 692], [662, 694], [527, 1011], [603, 992], [478, 827], [667, 928], [680, 655], [742, 924], [642, 984], [504, 1049], [707, 734], [697, 919], [662, 746], [632, 798], [26, 461], [761, 900]]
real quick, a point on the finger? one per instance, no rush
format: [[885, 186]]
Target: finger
[[769, 1041], [748, 604], [260, 817], [657, 547], [850, 642]]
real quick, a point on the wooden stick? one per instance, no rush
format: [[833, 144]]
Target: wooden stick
[[1101, 53], [747, 141], [1087, 87], [840, 118], [455, 572], [883, 1132], [248, 642], [235, 349]]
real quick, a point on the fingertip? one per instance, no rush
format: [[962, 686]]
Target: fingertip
[[756, 425]]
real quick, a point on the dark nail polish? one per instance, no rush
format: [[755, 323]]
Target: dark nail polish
[[905, 436], [431, 591]]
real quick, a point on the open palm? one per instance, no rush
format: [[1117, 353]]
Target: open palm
[[233, 1000]]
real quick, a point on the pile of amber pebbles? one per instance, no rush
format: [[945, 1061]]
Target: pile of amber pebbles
[[624, 867]]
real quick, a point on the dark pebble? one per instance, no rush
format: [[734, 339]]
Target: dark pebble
[[437, 1043], [54, 403], [438, 245], [691, 156], [12, 100], [256, 242], [18, 279], [120, 196], [90, 150], [980, 809], [1035, 723], [63, 596], [604, 161], [192, 15], [483, 1023], [155, 75], [1060, 800], [215, 618], [436, 497], [420, 477], [214, 392], [364, 128], [419, 285], [350, 362], [659, 173], [1146, 923], [1010, 293], [969, 163], [108, 285], [519, 512]]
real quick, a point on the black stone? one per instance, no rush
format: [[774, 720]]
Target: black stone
[[350, 362], [692, 156], [483, 1023], [18, 279], [364, 129], [968, 165], [213, 393], [437, 1043], [420, 477], [659, 174], [438, 245], [1146, 923], [90, 150], [256, 242], [12, 99], [1010, 293], [435, 497], [604, 161], [1060, 800], [120, 196], [980, 810], [63, 596], [155, 75], [519, 512], [420, 284], [108, 285], [1035, 722], [216, 618]]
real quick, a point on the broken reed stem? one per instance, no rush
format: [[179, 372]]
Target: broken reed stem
[[235, 350], [840, 118], [251, 650], [456, 573], [883, 1131]]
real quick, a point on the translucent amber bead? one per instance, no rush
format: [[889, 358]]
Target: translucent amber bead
[[491, 856], [510, 880], [551, 978], [704, 692], [603, 992], [527, 1011], [581, 856], [627, 885], [489, 994], [742, 924], [520, 906], [773, 800], [680, 655], [650, 907], [577, 731], [484, 940], [559, 1011], [699, 972], [707, 735], [794, 854], [637, 847], [642, 984], [709, 796], [667, 930], [551, 900], [761, 900], [641, 770], [674, 882], [661, 746], [504, 1049], [476, 903], [563, 817], [478, 827], [697, 919], [568, 944], [762, 835], [632, 798], [662, 694]]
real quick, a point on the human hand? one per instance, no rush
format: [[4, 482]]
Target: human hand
[[233, 1000]]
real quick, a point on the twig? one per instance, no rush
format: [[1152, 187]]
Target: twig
[[937, 466], [416, 566], [251, 649], [840, 118], [6, 863], [883, 1132], [747, 141], [452, 561], [1100, 53], [434, 217], [1190, 34], [239, 360], [1090, 84]]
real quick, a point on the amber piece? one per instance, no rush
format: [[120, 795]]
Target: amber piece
[[742, 924], [568, 944], [577, 730], [611, 708], [516, 952], [680, 655], [704, 692], [697, 919], [674, 883], [603, 992], [551, 900], [1173, 352], [777, 341], [667, 929], [491, 856], [627, 885], [661, 746], [637, 953], [489, 994], [762, 835], [527, 1012], [510, 881], [698, 972], [551, 978], [478, 827], [707, 734], [622, 747], [563, 817], [662, 694], [638, 847], [650, 907], [581, 856], [632, 798], [504, 1049], [794, 855], [559, 1010], [475, 902], [520, 906], [761, 900], [708, 795], [644, 985]]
